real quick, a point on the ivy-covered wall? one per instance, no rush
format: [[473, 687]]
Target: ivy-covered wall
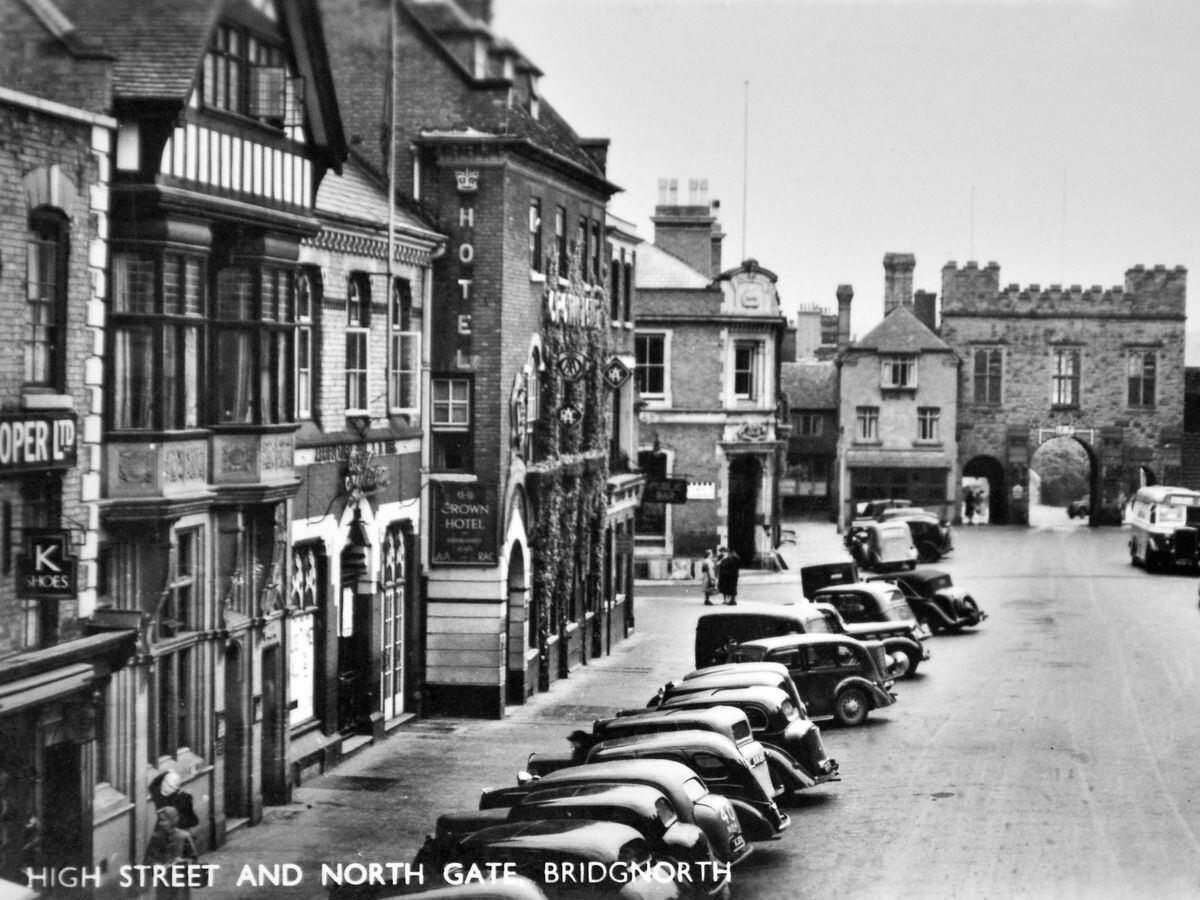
[[567, 482]]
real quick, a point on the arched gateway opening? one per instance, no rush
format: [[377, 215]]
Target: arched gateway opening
[[984, 475], [1064, 483]]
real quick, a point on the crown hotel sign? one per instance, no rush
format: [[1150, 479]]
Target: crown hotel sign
[[36, 442]]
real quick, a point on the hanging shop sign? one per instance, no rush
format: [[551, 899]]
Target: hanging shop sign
[[46, 569], [616, 373], [36, 442], [660, 489], [464, 524], [571, 365]]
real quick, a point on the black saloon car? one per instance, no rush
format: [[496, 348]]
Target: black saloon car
[[935, 600]]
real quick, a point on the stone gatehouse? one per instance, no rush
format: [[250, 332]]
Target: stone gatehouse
[[1101, 365]]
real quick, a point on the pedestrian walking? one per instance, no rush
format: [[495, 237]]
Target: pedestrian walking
[[727, 576], [170, 845], [969, 501], [708, 576]]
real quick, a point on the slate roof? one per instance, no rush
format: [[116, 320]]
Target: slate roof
[[157, 43], [809, 385], [488, 111], [902, 332], [357, 193], [660, 269]]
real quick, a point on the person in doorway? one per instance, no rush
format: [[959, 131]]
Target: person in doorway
[[170, 845], [165, 790], [727, 576], [708, 576], [969, 502]]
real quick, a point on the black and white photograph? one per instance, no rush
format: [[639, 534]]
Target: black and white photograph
[[564, 449]]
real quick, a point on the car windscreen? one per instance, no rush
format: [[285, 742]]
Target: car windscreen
[[940, 583], [747, 654], [741, 731], [898, 611], [817, 625]]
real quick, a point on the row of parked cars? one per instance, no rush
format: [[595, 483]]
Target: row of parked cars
[[663, 800]]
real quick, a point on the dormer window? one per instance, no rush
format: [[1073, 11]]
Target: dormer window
[[899, 373], [249, 76], [531, 89]]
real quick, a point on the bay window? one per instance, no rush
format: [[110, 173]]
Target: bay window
[[158, 326]]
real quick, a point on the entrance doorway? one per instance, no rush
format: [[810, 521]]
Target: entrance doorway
[[354, 635], [745, 479], [985, 475], [236, 737], [516, 621], [62, 805]]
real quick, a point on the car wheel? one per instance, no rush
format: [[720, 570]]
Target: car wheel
[[851, 707], [928, 552], [901, 665]]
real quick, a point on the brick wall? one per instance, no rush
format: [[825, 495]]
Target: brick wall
[[30, 142]]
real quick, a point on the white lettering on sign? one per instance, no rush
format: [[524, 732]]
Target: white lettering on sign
[[465, 284], [464, 324], [564, 307], [466, 254], [466, 217], [41, 558], [36, 441]]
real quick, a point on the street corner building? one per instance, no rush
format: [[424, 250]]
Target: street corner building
[[529, 496], [709, 346], [898, 393]]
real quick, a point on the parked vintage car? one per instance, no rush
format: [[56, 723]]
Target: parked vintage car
[[773, 674], [795, 753], [528, 847], [935, 600], [692, 799], [878, 611], [931, 535], [881, 545], [640, 806], [873, 509], [744, 780], [717, 629], [505, 887], [1080, 508], [838, 676]]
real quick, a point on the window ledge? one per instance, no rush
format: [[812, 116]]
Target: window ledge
[[537, 277], [861, 443], [47, 401]]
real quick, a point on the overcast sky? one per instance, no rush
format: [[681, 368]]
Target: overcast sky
[[1074, 126]]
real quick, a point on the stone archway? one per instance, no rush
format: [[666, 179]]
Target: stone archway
[[992, 470]]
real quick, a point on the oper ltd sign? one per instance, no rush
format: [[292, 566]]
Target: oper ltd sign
[[36, 442]]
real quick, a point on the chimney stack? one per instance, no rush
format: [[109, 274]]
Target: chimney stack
[[690, 231], [898, 280], [845, 293], [480, 9], [925, 307]]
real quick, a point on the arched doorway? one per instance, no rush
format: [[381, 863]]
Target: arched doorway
[[992, 506], [745, 479], [518, 628], [1064, 483]]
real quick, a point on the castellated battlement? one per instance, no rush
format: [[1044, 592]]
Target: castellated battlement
[[1148, 292]]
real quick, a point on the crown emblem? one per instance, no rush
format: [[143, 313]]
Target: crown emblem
[[468, 180]]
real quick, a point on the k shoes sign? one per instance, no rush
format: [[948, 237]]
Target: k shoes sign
[[46, 569]]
